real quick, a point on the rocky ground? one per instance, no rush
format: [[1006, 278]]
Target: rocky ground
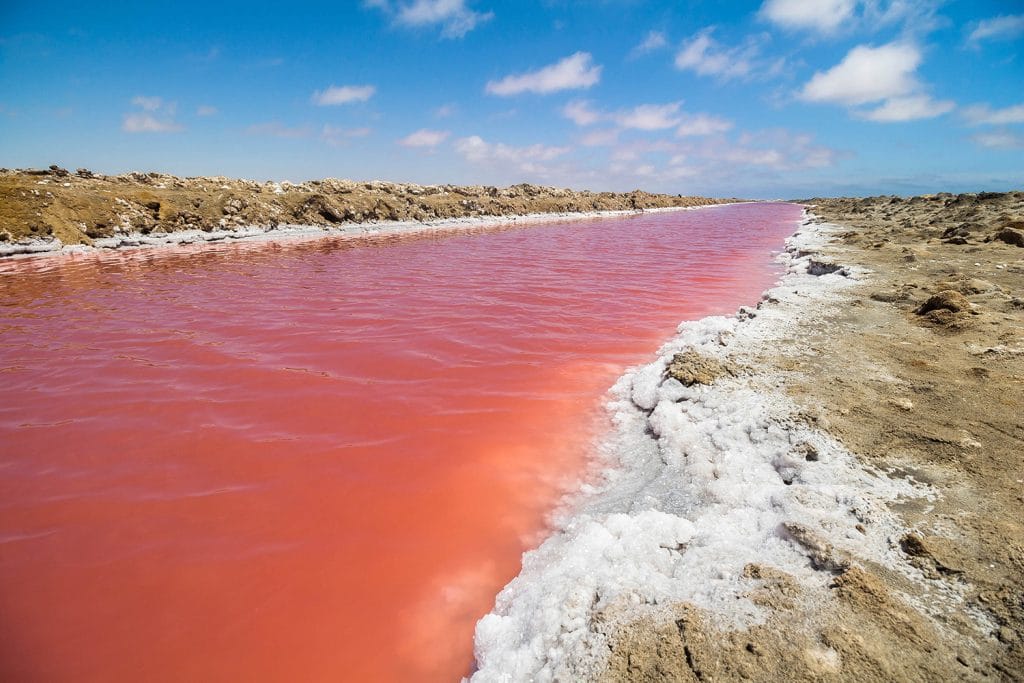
[[919, 371], [40, 207]]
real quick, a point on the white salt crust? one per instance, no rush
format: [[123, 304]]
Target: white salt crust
[[694, 487], [132, 240]]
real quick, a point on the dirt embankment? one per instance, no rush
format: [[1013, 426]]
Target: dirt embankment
[[918, 371], [79, 207]]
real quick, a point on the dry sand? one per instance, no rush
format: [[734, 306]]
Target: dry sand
[[920, 372]]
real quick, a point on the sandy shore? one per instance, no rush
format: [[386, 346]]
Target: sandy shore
[[826, 487]]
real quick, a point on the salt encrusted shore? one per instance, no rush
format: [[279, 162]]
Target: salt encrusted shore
[[822, 488], [33, 247], [703, 480], [44, 210]]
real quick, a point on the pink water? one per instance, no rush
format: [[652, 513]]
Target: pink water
[[317, 460]]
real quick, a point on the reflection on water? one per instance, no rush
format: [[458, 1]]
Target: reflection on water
[[317, 459]]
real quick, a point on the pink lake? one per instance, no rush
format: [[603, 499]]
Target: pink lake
[[318, 460]]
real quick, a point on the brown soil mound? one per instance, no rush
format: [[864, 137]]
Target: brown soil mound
[[79, 207]]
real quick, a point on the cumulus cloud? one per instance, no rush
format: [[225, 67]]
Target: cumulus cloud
[[654, 40], [999, 139], [867, 74], [148, 103], [276, 129], [147, 123], [530, 159], [983, 115], [1003, 27], [424, 138], [581, 113], [641, 117], [600, 138], [662, 164], [157, 116], [575, 72], [705, 56], [910, 108], [886, 74], [337, 136], [820, 15], [649, 116], [453, 16], [702, 124], [446, 110], [343, 94], [777, 149]]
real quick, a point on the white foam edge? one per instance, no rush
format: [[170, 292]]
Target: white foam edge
[[692, 488], [35, 247]]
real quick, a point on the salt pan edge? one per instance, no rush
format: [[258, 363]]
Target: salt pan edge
[[697, 482]]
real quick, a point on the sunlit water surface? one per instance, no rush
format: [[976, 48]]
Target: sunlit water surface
[[318, 460]]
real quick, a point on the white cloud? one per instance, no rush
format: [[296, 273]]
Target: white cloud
[[705, 56], [649, 116], [277, 129], [157, 116], [337, 136], [148, 103], [866, 74], [909, 108], [916, 16], [581, 113], [530, 159], [654, 40], [424, 138], [446, 110], [997, 28], [147, 123], [983, 115], [574, 72], [885, 75], [600, 138], [820, 15], [206, 110], [343, 94], [703, 124], [453, 16], [999, 139]]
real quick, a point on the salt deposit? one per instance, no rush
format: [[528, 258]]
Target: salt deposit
[[697, 482]]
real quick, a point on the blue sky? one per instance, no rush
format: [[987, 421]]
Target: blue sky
[[778, 98]]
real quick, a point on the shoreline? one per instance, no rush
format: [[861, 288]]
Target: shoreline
[[53, 209], [689, 494], [773, 503], [257, 234]]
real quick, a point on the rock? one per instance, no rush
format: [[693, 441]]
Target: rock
[[808, 451], [1006, 635], [822, 554], [821, 268], [946, 300], [1010, 236], [690, 367], [888, 297], [902, 403], [976, 286], [928, 556]]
